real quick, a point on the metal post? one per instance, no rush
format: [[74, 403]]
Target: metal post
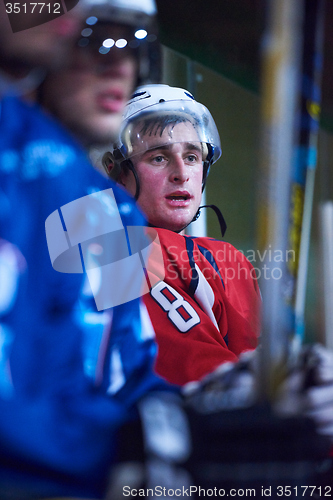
[[199, 227], [280, 89]]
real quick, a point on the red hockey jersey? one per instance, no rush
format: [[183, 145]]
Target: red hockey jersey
[[206, 308]]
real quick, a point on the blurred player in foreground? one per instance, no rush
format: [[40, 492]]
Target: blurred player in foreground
[[107, 64], [57, 429]]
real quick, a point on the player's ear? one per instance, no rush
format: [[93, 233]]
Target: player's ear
[[109, 165]]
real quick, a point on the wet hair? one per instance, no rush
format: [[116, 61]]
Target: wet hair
[[156, 125]]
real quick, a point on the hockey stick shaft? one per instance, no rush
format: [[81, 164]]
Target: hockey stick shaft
[[303, 180]]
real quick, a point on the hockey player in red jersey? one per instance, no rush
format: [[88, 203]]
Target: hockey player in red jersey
[[204, 304]]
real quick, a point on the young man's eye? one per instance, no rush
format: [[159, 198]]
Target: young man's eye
[[192, 158], [158, 159]]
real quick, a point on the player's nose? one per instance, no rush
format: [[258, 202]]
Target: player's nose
[[179, 171]]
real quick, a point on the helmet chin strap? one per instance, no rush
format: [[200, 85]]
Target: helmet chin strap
[[130, 167], [136, 177], [222, 222]]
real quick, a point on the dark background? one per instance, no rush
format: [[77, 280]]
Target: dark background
[[225, 35]]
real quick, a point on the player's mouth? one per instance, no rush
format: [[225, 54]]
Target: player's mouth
[[111, 101], [179, 199]]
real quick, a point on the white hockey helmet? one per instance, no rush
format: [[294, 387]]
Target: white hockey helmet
[[130, 12], [165, 105], [139, 17]]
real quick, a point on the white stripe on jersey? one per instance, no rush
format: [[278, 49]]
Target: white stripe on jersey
[[117, 376], [147, 329], [205, 297]]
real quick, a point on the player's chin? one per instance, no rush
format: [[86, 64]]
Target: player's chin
[[179, 222]]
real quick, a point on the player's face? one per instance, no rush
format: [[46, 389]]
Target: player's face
[[45, 45], [89, 97], [170, 177]]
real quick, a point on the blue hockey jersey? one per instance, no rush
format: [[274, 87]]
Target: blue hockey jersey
[[56, 424]]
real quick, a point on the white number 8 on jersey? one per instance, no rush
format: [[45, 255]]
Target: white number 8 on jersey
[[180, 312]]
